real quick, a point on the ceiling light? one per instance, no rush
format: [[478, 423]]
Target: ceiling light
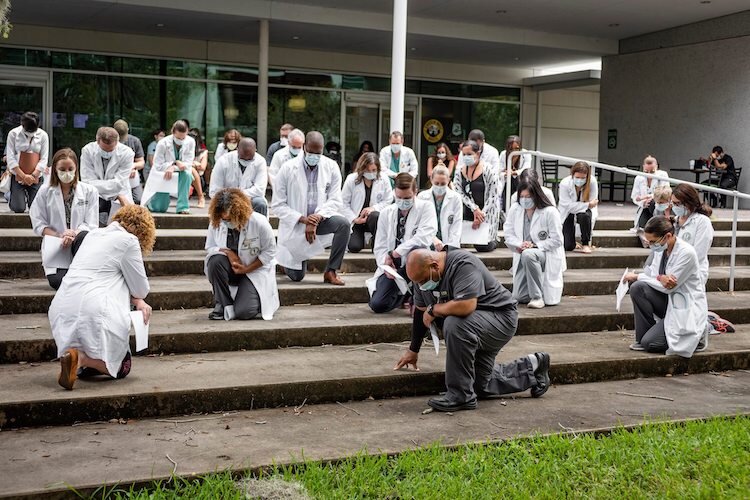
[[413, 48], [501, 11], [613, 25], [159, 25], [516, 58], [705, 2], [295, 38]]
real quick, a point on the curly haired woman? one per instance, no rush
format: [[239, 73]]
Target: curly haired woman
[[90, 314]]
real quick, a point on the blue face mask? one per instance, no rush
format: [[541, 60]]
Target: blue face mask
[[228, 224], [679, 210], [429, 285], [658, 247], [294, 151], [439, 190], [579, 182], [404, 204], [469, 160], [526, 203], [312, 159], [370, 176], [661, 207], [105, 154]]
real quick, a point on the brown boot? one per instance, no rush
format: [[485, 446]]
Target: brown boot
[[332, 278], [68, 369]]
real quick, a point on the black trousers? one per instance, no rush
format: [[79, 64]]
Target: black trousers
[[55, 280], [357, 239], [646, 214], [387, 296], [569, 229]]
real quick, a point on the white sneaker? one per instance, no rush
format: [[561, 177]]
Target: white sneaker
[[536, 304]]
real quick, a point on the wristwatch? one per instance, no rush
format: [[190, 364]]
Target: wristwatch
[[429, 310]]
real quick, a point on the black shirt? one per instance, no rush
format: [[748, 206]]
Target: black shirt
[[233, 240], [368, 195], [465, 277], [729, 162], [475, 189]]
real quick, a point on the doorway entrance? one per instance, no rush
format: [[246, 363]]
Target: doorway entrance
[[21, 92], [367, 118]]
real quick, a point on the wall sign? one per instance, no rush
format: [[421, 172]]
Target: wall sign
[[612, 138], [433, 130]]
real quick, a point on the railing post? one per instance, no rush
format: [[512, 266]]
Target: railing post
[[734, 242], [508, 179]]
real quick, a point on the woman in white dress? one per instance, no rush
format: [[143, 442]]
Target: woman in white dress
[[65, 208], [90, 314]]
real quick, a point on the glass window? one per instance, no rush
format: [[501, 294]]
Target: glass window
[[140, 66], [301, 79], [82, 105], [186, 69], [229, 73], [230, 106], [90, 62], [25, 57], [306, 110], [497, 121], [186, 101]]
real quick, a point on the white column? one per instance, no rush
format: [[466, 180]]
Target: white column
[[398, 65], [262, 138]]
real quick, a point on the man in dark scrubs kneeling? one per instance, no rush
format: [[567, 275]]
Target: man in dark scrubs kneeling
[[454, 290]]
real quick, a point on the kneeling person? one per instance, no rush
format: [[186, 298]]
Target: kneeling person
[[454, 289], [241, 260], [408, 224]]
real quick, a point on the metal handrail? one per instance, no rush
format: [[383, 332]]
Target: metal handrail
[[736, 195]]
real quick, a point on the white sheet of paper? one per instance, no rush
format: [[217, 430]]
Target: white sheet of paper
[[622, 289], [435, 338], [158, 184], [141, 330], [400, 281], [477, 236], [54, 255]]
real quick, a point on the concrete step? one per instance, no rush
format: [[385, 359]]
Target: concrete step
[[175, 385], [28, 264], [27, 337], [195, 239], [194, 291], [87, 457], [200, 221], [163, 221]]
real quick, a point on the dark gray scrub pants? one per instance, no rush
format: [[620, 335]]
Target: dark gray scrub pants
[[472, 345], [648, 302], [340, 228], [220, 274]]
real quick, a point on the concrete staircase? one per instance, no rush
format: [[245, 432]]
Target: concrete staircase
[[319, 376]]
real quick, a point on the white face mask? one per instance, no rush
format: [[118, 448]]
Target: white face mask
[[440, 190], [284, 141], [105, 154], [244, 163], [661, 207], [294, 151], [228, 224], [579, 182], [441, 156], [679, 210], [526, 203], [66, 176], [177, 141], [469, 160], [231, 146], [370, 176], [404, 204], [395, 148]]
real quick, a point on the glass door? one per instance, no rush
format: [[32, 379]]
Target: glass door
[[361, 125], [385, 130], [17, 97]]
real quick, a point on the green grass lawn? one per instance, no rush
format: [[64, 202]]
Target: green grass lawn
[[708, 459]]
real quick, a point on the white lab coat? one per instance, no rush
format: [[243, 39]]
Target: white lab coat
[[420, 228], [256, 242], [280, 157], [489, 155], [289, 203], [524, 163], [407, 163], [228, 174], [221, 150], [164, 157], [687, 311], [699, 232], [353, 195], [451, 216], [17, 142], [112, 181], [91, 310], [641, 188], [546, 234], [569, 203]]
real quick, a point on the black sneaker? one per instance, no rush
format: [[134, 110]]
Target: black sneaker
[[217, 313], [541, 374], [445, 404]]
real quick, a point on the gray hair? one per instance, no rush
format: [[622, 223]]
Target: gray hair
[[296, 133]]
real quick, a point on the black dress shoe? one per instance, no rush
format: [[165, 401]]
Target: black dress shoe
[[445, 404], [541, 374]]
